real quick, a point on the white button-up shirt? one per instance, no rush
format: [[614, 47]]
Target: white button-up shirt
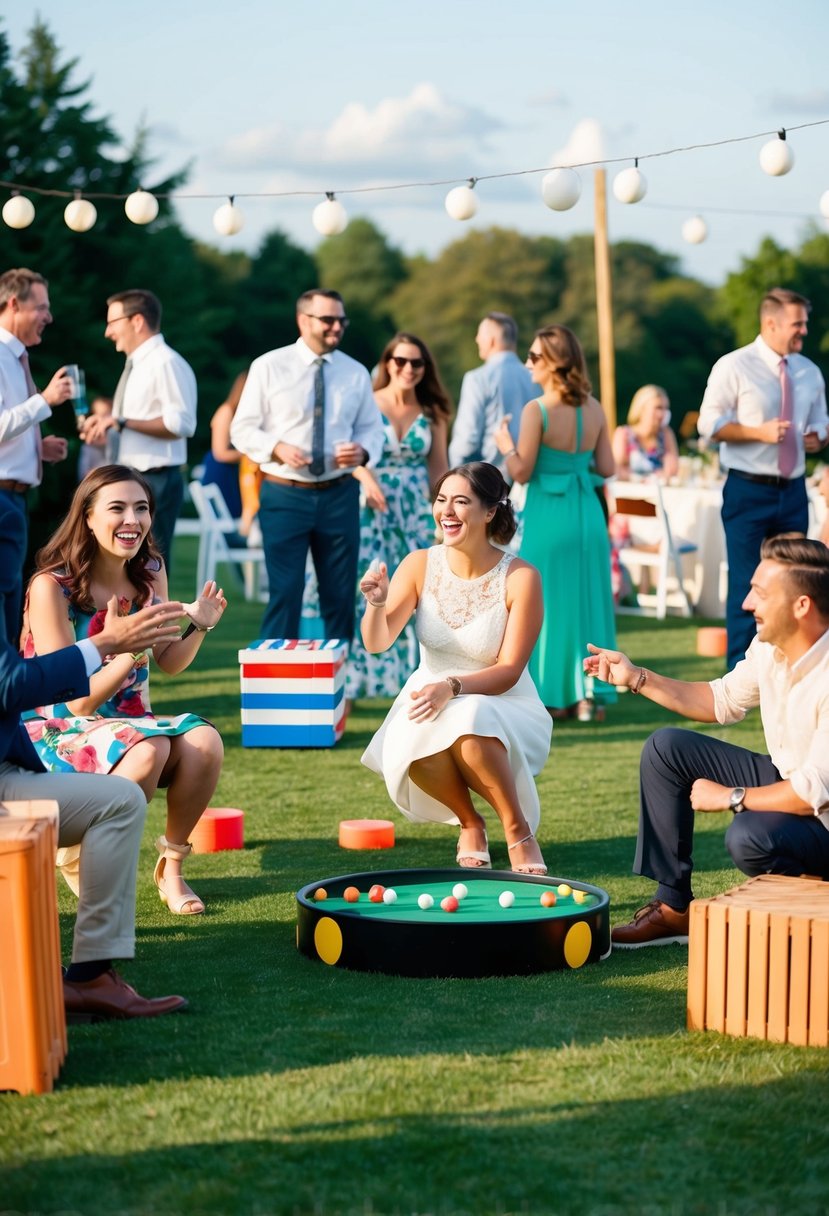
[[20, 415], [161, 385], [794, 708], [744, 387], [277, 406]]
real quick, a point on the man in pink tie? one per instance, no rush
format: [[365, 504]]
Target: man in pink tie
[[24, 314], [765, 404]]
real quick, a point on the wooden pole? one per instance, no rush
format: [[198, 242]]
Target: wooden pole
[[604, 302]]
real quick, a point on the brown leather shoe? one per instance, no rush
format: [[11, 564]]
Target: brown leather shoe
[[109, 996], [656, 924]]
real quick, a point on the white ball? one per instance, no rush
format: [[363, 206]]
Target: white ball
[[506, 899], [776, 157], [629, 186], [424, 902], [18, 212], [228, 219], [330, 218], [561, 189], [141, 207], [694, 230], [460, 890], [824, 204], [389, 896], [461, 203], [80, 215]]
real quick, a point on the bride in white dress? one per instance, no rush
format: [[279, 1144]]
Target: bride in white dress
[[470, 718]]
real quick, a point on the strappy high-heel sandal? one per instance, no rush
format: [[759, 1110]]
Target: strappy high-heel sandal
[[474, 859], [188, 903], [536, 868]]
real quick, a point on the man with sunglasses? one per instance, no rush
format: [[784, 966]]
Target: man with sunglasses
[[503, 386], [308, 417]]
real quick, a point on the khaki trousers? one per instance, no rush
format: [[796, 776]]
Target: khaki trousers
[[105, 816]]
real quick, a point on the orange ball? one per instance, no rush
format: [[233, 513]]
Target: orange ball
[[351, 895], [547, 899], [376, 893], [320, 894], [449, 904]]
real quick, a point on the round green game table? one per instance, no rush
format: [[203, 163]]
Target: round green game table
[[481, 938]]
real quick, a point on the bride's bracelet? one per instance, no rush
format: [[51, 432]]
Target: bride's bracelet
[[375, 604]]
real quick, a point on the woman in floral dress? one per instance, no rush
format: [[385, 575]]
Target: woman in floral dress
[[396, 517], [102, 551]]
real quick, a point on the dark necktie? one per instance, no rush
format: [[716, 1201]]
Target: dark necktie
[[31, 389], [113, 435], [317, 465], [787, 448]]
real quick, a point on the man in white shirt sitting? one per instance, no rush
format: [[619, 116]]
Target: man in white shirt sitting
[[308, 416], [765, 404], [780, 801], [153, 410]]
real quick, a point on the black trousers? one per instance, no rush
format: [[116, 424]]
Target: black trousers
[[760, 842]]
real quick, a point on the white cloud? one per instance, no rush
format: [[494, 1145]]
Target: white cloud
[[422, 132], [586, 144]]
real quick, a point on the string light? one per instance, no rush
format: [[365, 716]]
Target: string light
[[630, 186], [18, 212], [694, 230], [461, 203], [228, 219], [141, 207], [80, 215], [561, 189], [330, 217], [776, 157]]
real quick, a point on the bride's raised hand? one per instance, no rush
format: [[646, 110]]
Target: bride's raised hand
[[207, 610]]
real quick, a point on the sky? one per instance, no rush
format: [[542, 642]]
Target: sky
[[269, 96]]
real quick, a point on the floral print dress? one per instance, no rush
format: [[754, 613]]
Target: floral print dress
[[389, 536], [67, 742]]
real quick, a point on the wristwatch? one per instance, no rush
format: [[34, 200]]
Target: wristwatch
[[735, 802], [455, 684]]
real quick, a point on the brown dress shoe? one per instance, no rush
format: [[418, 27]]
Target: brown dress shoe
[[656, 924], [109, 996]]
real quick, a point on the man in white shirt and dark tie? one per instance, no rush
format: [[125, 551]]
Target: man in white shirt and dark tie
[[24, 314], [153, 409], [308, 416], [765, 404]]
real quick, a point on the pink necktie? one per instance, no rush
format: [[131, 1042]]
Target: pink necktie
[[31, 389], [787, 450]]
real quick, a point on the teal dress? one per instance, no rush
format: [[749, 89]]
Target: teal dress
[[565, 538]]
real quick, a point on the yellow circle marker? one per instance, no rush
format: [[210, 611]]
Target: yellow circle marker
[[328, 940], [577, 944]]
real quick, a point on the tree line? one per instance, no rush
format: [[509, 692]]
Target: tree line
[[222, 309]]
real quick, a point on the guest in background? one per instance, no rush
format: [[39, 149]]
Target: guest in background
[[396, 516], [93, 455], [104, 548], [646, 446], [221, 464], [563, 433]]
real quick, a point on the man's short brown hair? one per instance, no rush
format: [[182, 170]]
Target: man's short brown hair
[[139, 300], [19, 283], [806, 565], [779, 297]]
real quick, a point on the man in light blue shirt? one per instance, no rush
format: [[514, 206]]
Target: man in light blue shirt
[[502, 386]]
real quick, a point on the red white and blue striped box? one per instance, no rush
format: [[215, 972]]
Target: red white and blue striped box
[[293, 692]]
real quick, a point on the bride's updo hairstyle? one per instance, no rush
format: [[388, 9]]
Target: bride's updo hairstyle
[[489, 487]]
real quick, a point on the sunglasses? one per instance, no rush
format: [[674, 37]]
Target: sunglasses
[[534, 356], [400, 363], [330, 322]]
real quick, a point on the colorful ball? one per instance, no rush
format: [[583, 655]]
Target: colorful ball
[[351, 895], [506, 899], [548, 899], [375, 895], [449, 904], [564, 889], [389, 896], [320, 894], [581, 897], [460, 890], [425, 901]]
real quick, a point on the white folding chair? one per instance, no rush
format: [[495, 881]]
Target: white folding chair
[[216, 522], [662, 555]]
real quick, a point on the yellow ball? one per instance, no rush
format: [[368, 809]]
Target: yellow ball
[[565, 889], [581, 897]]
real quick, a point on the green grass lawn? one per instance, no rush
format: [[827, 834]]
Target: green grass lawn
[[290, 1087]]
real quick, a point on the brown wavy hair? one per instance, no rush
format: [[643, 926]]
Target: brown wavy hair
[[432, 397], [71, 552], [564, 358], [487, 484]]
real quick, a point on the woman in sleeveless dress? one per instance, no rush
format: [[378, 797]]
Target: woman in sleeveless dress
[[563, 437], [104, 550], [469, 718], [646, 446], [396, 516]]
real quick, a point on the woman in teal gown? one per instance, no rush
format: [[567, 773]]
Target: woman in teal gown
[[563, 450]]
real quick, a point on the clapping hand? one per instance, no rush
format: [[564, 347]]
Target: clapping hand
[[206, 611]]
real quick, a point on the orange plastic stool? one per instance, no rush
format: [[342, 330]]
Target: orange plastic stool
[[712, 642], [366, 834], [220, 828]]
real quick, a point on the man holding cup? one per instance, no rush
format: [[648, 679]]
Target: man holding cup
[[24, 314]]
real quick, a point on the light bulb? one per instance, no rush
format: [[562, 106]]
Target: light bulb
[[80, 215], [141, 207], [561, 189]]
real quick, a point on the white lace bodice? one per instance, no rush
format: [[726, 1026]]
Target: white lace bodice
[[460, 622]]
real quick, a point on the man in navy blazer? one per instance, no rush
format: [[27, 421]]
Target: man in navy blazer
[[104, 815]]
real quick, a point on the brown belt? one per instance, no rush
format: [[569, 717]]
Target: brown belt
[[15, 487], [302, 485]]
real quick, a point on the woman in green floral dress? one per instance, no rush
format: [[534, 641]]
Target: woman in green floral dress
[[396, 516]]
